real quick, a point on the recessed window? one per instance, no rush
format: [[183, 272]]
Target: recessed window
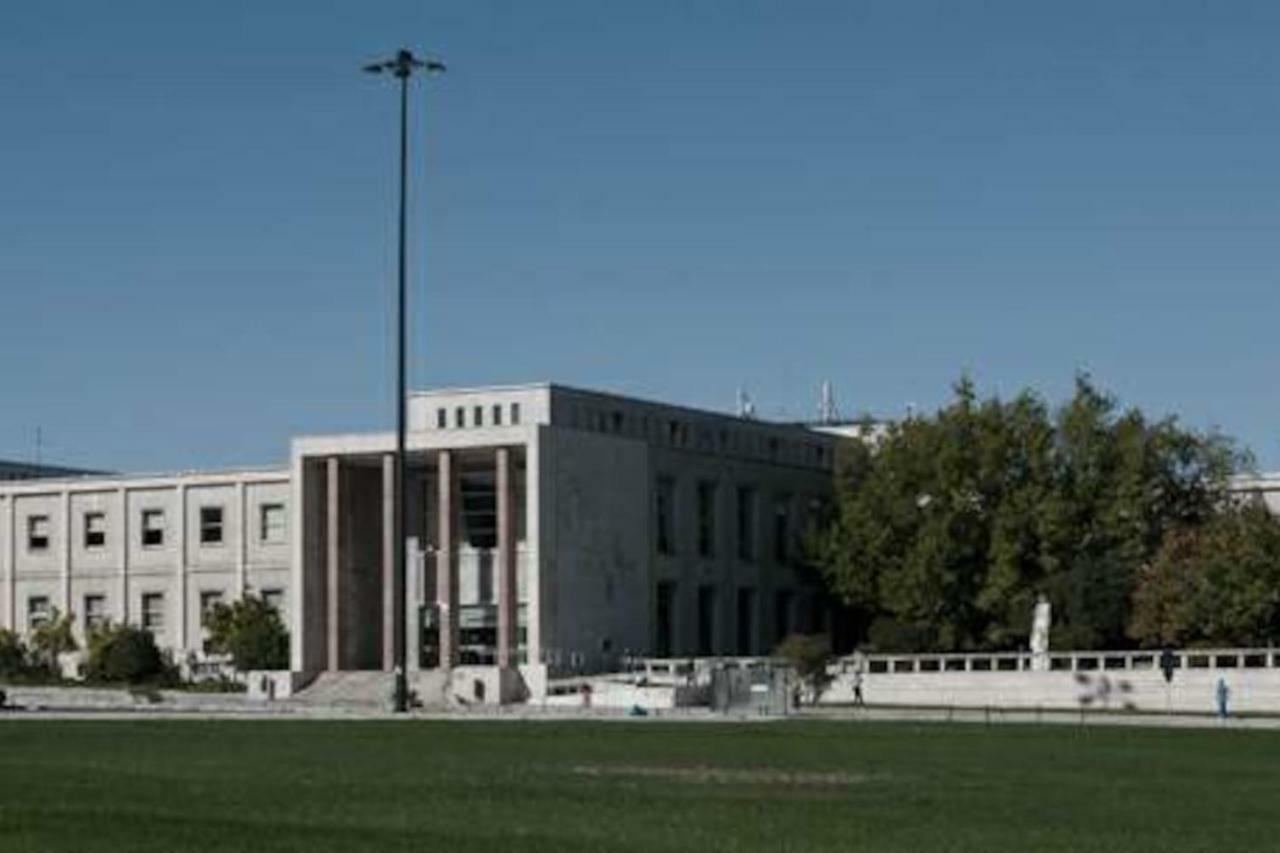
[[274, 598], [210, 525], [781, 530], [442, 418], [477, 416], [664, 511], [706, 519], [209, 599], [497, 415], [746, 523], [271, 527], [95, 529], [39, 611], [95, 612], [515, 413], [153, 611], [37, 533], [459, 417], [152, 528]]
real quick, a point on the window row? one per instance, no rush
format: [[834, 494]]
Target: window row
[[746, 514], [477, 416], [272, 528], [40, 610]]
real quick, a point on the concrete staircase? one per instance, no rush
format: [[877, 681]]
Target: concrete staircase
[[356, 691]]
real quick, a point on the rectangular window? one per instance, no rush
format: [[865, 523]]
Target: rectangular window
[[782, 613], [152, 528], [442, 418], [706, 519], [95, 612], [781, 530], [746, 523], [37, 533], [664, 642], [39, 611], [271, 524], [210, 525], [95, 530], [706, 620], [515, 414], [274, 598], [664, 508], [208, 599], [459, 417], [746, 620], [497, 415], [153, 611], [477, 416]]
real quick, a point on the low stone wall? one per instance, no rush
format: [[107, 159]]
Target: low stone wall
[[119, 699], [1144, 690]]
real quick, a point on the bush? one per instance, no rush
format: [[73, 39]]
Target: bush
[[50, 639], [125, 654], [808, 654], [250, 631], [13, 656]]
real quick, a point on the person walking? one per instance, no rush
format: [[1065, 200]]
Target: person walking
[[858, 701], [1223, 693]]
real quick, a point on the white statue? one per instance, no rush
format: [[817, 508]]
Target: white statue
[[1040, 623]]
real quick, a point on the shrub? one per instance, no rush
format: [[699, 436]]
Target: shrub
[[13, 656], [125, 654], [251, 632], [52, 638], [808, 654]]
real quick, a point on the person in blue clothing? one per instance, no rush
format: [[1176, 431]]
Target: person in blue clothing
[[1223, 693]]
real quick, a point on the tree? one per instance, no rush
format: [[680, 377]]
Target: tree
[[53, 637], [1215, 584], [943, 533], [13, 656], [126, 654], [808, 655], [251, 632]]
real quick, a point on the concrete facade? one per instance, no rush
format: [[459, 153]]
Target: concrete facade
[[148, 550]]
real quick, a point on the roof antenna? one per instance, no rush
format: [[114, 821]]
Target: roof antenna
[[746, 408]]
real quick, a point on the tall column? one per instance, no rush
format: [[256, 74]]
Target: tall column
[[506, 564], [66, 552], [123, 496], [390, 589], [446, 564], [331, 558]]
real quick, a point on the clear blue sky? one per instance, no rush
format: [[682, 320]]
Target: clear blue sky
[[667, 199]]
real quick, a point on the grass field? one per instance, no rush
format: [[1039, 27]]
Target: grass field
[[318, 786]]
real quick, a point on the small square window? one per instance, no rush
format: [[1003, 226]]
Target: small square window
[[95, 530], [152, 528], [208, 600], [39, 611], [38, 533], [272, 526], [274, 598], [95, 612], [210, 525], [153, 611]]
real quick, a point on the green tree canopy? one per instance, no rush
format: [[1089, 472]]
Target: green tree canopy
[[251, 632], [943, 533], [1217, 584]]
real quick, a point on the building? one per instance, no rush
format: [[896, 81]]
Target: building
[[552, 531], [10, 470]]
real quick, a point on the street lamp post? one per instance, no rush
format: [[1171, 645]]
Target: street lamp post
[[401, 67]]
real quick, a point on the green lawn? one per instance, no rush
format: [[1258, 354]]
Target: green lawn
[[316, 786]]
